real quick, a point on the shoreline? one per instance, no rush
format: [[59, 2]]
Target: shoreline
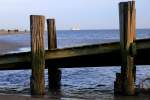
[[12, 95], [7, 46], [12, 32]]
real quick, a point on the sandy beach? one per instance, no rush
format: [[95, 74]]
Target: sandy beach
[[12, 32]]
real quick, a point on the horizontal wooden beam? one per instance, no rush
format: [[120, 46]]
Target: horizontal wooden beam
[[107, 54]]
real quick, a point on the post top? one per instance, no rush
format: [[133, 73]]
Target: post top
[[37, 16], [127, 2]]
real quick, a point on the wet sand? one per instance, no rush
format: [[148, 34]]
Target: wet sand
[[6, 46], [9, 46], [23, 97], [104, 97]]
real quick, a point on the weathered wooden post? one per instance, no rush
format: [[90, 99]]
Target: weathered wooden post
[[54, 73], [125, 83], [37, 24]]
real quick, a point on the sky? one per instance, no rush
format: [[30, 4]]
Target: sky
[[88, 14]]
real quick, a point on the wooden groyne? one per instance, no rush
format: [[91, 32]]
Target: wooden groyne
[[99, 55], [37, 24], [54, 73], [127, 53], [125, 81]]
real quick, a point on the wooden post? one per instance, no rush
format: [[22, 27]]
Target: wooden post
[[37, 24], [128, 50], [54, 73]]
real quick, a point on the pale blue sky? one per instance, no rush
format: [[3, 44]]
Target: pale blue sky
[[88, 14]]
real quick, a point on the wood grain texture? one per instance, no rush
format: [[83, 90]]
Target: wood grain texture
[[54, 73], [52, 38], [99, 55], [37, 54], [127, 38]]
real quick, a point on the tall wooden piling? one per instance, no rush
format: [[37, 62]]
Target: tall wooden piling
[[125, 83], [54, 73], [37, 24]]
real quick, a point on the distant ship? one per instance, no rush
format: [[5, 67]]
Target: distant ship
[[75, 28]]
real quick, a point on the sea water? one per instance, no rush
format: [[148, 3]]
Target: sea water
[[78, 82]]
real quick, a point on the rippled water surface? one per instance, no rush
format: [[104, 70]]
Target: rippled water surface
[[87, 83]]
